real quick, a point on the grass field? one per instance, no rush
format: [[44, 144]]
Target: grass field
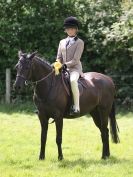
[[20, 144]]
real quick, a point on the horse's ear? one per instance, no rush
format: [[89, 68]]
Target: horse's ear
[[32, 55], [20, 53]]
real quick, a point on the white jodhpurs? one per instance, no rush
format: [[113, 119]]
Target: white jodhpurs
[[74, 76]]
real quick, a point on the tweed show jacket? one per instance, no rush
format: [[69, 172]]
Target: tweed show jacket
[[71, 54]]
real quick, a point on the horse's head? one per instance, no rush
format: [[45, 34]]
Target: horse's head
[[23, 68]]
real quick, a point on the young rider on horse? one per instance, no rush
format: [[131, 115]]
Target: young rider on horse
[[69, 53]]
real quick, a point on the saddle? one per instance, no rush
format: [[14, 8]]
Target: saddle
[[82, 83]]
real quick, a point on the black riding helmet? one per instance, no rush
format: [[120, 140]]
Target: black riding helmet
[[71, 22]]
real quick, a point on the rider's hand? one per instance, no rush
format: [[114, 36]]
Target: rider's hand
[[57, 66], [64, 67]]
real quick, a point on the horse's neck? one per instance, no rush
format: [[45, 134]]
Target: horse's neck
[[39, 74], [39, 70]]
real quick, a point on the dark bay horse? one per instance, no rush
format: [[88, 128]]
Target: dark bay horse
[[52, 100]]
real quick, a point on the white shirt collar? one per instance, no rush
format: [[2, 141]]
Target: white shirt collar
[[71, 38]]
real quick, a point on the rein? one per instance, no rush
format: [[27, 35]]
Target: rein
[[36, 82]]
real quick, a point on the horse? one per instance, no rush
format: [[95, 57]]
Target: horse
[[53, 101]]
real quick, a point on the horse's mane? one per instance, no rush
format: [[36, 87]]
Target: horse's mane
[[43, 61]]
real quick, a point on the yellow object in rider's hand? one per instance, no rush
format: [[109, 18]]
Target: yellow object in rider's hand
[[57, 66]]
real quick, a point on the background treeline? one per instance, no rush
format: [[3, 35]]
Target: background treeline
[[105, 26]]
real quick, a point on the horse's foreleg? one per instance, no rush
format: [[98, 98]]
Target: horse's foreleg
[[59, 127], [44, 128]]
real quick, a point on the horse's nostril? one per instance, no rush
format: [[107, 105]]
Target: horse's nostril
[[19, 87], [16, 87]]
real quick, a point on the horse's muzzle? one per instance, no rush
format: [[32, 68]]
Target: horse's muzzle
[[18, 85]]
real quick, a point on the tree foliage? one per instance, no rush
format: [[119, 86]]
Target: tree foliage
[[105, 27]]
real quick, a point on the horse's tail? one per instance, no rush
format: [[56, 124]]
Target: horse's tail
[[114, 129]]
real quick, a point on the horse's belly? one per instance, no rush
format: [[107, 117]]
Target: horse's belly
[[88, 100]]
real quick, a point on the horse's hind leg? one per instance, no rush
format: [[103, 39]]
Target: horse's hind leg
[[101, 121], [105, 140]]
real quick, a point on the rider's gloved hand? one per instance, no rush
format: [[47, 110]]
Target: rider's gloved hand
[[57, 66], [64, 67]]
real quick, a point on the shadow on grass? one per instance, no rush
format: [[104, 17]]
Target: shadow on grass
[[85, 163], [23, 107], [29, 107]]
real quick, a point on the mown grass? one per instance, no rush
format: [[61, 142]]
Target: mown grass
[[20, 144]]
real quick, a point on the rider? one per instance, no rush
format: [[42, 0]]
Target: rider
[[69, 53]]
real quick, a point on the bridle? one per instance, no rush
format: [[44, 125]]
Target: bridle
[[35, 82]]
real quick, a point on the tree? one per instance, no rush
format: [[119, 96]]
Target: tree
[[105, 27]]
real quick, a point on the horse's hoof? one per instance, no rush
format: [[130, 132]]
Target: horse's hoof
[[60, 158], [41, 158], [105, 157]]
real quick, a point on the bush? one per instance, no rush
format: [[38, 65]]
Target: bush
[[105, 27]]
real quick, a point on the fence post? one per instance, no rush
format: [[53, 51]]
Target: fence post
[[8, 85]]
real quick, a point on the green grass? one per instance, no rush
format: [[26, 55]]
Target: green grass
[[20, 144]]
